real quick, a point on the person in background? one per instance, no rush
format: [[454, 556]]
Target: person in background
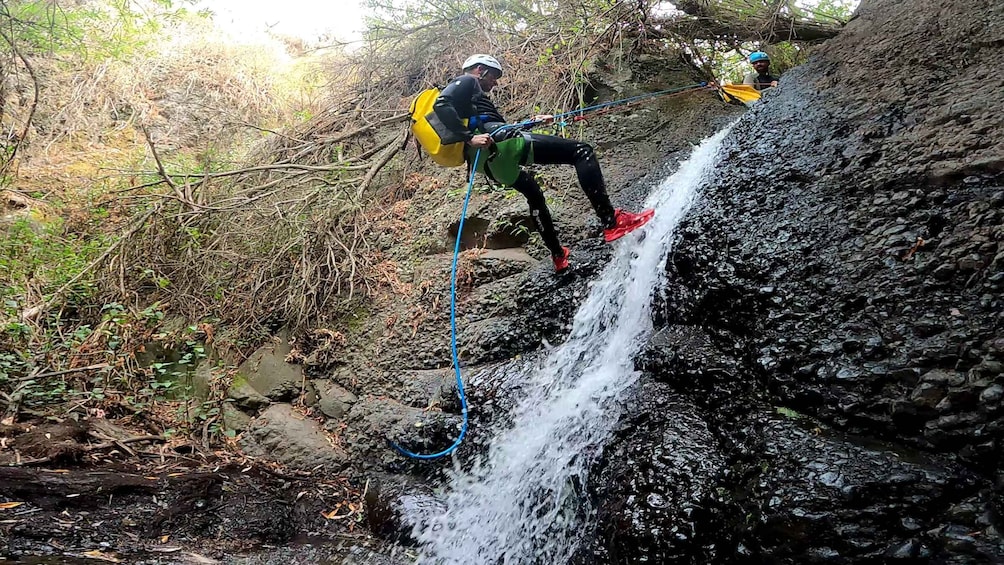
[[509, 149], [762, 78]]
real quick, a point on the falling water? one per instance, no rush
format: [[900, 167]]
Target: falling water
[[522, 502]]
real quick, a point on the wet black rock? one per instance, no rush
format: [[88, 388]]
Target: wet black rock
[[844, 263], [660, 485], [396, 504], [541, 309], [811, 488], [690, 361], [375, 425]]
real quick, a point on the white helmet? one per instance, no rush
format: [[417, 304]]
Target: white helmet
[[486, 60]]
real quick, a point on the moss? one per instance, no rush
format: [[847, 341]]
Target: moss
[[239, 380], [355, 319], [788, 413]]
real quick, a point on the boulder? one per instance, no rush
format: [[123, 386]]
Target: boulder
[[396, 504], [333, 400], [267, 371], [375, 422], [287, 437], [245, 396]]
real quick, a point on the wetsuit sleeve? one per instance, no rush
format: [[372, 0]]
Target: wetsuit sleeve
[[456, 101]]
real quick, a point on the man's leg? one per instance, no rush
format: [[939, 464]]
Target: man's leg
[[528, 187], [554, 150]]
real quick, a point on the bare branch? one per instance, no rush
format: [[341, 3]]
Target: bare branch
[[5, 167]]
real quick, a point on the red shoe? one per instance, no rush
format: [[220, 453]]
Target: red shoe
[[626, 223], [561, 262]]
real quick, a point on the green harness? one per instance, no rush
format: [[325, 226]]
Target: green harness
[[505, 159]]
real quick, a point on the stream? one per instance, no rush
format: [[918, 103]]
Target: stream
[[523, 501]]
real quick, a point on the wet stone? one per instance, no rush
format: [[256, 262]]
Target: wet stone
[[927, 395], [991, 367], [658, 484], [928, 327], [395, 506], [852, 345], [832, 479], [836, 476], [992, 395], [910, 549], [943, 377], [962, 398], [944, 272], [847, 373], [910, 524], [959, 539], [944, 406], [971, 263]]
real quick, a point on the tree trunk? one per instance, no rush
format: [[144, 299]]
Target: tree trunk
[[704, 21]]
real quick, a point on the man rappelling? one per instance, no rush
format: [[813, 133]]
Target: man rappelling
[[761, 77], [465, 110], [460, 124]]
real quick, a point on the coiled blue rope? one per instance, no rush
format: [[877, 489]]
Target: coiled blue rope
[[453, 332], [456, 255]]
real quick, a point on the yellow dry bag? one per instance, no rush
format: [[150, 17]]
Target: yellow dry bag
[[432, 135], [743, 93]]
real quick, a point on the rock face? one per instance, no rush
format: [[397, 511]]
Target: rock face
[[882, 258], [834, 314], [374, 423], [823, 496], [660, 492]]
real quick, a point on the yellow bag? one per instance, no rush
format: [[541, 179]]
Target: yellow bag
[[743, 93], [431, 133]]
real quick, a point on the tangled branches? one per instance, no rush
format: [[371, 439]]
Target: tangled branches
[[549, 49], [284, 239], [287, 237]]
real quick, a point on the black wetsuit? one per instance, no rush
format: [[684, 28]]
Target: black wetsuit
[[759, 81], [464, 98]]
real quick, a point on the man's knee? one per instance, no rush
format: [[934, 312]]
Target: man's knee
[[528, 187], [584, 153], [535, 200]]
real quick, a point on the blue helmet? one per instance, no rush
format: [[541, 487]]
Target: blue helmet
[[758, 56]]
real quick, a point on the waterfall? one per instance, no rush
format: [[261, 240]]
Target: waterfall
[[522, 502]]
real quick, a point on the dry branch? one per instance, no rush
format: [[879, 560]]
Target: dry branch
[[365, 129], [394, 148], [9, 159]]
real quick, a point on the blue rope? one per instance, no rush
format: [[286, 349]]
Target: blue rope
[[453, 332], [628, 100], [456, 255]]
